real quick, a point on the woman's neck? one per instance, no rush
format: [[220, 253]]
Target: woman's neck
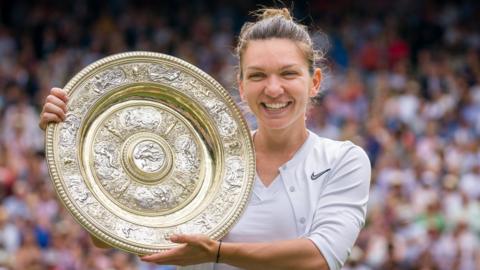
[[280, 141], [276, 147]]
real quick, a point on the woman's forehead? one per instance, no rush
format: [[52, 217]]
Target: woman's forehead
[[277, 52]]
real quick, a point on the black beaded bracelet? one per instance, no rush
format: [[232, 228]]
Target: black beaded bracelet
[[218, 251]]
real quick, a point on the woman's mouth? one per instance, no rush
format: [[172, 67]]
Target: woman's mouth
[[275, 106]]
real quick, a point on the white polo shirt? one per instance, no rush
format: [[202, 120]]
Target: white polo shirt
[[320, 194]]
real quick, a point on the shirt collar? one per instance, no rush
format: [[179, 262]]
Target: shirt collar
[[302, 151]]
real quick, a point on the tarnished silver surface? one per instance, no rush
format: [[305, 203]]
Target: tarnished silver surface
[[150, 146]]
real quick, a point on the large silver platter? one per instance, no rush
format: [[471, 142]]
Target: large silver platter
[[151, 146]]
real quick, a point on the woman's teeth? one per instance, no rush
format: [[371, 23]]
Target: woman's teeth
[[275, 106]]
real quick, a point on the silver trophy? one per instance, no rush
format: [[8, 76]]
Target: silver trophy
[[151, 146]]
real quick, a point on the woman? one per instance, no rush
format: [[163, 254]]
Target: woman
[[310, 193]]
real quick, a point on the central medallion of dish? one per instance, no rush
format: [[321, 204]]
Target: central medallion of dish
[[146, 158]]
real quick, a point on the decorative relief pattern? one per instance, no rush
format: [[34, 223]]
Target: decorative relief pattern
[[233, 147], [69, 130], [226, 125], [137, 72], [143, 118], [156, 174], [234, 173], [186, 150], [68, 158], [160, 73], [107, 79], [148, 156], [75, 184]]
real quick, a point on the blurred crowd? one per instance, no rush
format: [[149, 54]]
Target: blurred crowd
[[402, 80]]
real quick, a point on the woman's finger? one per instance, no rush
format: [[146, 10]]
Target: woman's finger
[[56, 101], [160, 257], [47, 118], [192, 239], [179, 238], [59, 93], [194, 249], [54, 109]]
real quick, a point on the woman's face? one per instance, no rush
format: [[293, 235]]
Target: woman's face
[[276, 83]]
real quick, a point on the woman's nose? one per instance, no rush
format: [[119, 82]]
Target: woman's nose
[[273, 87]]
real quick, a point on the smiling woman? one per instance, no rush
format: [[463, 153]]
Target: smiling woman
[[277, 84], [310, 193]]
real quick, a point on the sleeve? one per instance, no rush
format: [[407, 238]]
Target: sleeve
[[341, 208]]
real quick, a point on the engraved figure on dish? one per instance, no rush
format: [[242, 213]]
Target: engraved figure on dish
[[214, 106], [226, 124], [198, 90], [152, 199], [108, 78], [145, 118], [99, 213], [104, 161], [158, 73], [186, 153], [144, 198], [234, 173], [128, 231], [75, 183], [138, 72], [164, 197], [69, 129], [115, 126], [121, 184], [149, 155], [105, 154], [233, 147]]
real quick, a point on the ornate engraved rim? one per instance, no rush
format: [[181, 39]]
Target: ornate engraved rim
[[247, 151]]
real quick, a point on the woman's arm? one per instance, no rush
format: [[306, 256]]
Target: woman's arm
[[289, 254]]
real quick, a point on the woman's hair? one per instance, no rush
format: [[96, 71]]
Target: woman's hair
[[277, 23]]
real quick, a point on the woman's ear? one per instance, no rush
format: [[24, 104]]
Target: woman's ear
[[316, 82], [240, 87]]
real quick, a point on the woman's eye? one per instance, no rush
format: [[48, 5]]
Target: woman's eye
[[289, 74], [256, 76]]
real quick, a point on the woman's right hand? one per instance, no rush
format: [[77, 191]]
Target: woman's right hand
[[55, 107]]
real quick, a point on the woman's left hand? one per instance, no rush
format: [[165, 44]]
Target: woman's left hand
[[195, 249]]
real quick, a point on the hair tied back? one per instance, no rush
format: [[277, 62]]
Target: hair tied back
[[266, 13]]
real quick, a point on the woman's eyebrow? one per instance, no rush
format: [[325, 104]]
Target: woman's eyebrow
[[289, 66], [261, 68], [254, 68]]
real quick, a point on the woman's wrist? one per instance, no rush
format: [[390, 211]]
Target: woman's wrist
[[217, 260]]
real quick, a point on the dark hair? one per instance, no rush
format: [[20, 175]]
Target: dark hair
[[276, 23]]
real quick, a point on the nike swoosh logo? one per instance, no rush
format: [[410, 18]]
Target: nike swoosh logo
[[316, 176]]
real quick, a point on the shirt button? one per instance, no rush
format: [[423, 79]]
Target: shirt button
[[292, 189], [302, 220]]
